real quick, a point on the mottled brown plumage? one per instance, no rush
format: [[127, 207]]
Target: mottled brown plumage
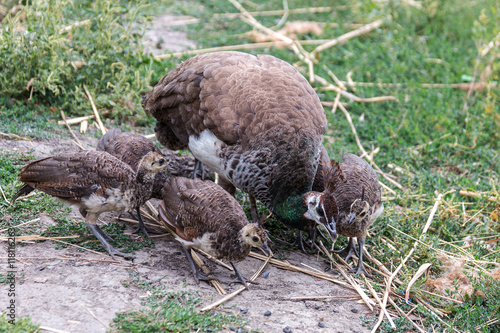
[[254, 120], [206, 217], [321, 173], [96, 182], [359, 202], [130, 148]]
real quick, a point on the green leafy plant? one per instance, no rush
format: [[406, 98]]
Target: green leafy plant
[[51, 49]]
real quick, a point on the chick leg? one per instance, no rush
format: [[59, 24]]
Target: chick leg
[[141, 227], [240, 278], [349, 250], [253, 209], [93, 219], [104, 242], [198, 276], [198, 166], [361, 267]]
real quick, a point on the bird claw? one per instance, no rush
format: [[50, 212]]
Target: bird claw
[[348, 251], [143, 229], [112, 252], [359, 269], [236, 279], [200, 276]]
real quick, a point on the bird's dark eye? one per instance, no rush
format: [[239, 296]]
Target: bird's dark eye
[[161, 161], [255, 239]]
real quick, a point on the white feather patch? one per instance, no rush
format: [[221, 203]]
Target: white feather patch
[[206, 148], [116, 200], [202, 243]]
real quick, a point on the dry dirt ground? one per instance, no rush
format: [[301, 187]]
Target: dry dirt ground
[[73, 291]]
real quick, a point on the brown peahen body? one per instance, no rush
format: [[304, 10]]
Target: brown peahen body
[[255, 121]]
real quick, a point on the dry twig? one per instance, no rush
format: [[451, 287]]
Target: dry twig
[[295, 46], [247, 46], [476, 195], [233, 294], [13, 136], [352, 97], [383, 308], [401, 312], [78, 143], [75, 120], [364, 29], [97, 117], [389, 281], [305, 298], [216, 284], [353, 283], [349, 119]]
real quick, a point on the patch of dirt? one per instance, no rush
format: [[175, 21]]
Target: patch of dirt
[[160, 36]]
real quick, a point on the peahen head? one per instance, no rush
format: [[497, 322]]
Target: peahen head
[[322, 209], [322, 206]]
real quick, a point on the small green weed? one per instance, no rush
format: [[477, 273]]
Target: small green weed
[[21, 325]]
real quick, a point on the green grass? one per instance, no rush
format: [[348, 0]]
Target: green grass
[[442, 145], [21, 325], [171, 311]]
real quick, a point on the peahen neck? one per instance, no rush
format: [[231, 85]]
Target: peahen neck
[[290, 210]]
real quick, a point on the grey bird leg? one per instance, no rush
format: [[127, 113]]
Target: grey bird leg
[[198, 166], [196, 273], [100, 236], [141, 227], [103, 234], [300, 242], [349, 250], [240, 278], [253, 209], [361, 267], [146, 228]]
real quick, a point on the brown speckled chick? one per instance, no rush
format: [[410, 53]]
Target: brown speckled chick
[[206, 217], [358, 200], [131, 148], [96, 182], [255, 120]]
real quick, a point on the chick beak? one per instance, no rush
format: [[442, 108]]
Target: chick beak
[[265, 249], [351, 219]]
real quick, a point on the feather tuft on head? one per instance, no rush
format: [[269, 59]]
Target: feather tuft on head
[[332, 175]]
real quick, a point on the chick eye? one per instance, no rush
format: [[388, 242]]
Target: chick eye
[[255, 239], [161, 161]]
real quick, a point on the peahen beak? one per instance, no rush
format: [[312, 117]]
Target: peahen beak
[[331, 227]]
